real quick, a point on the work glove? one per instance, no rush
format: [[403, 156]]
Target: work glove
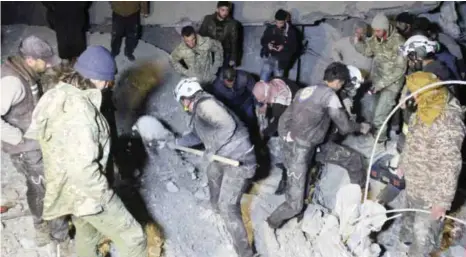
[[207, 157], [288, 137], [365, 128]]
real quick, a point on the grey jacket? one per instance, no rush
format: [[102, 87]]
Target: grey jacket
[[222, 132], [309, 116]]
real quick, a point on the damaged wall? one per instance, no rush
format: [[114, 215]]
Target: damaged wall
[[168, 13]]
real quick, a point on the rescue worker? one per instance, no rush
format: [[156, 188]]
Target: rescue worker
[[222, 27], [388, 68], [222, 133], [350, 88], [279, 45], [304, 126], [19, 94], [272, 100], [430, 162], [343, 50], [126, 22], [196, 53], [69, 20], [75, 141], [234, 89], [450, 52]]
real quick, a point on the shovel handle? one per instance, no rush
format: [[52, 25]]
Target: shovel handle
[[201, 153]]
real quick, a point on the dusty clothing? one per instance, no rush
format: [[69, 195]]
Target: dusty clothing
[[30, 165], [452, 46], [420, 229], [69, 19], [222, 133], [114, 222], [297, 160], [343, 51], [198, 59], [128, 27], [74, 139], [434, 181], [271, 65], [287, 37], [309, 116], [127, 8], [385, 101], [449, 60], [19, 94], [388, 66], [239, 98], [225, 31]]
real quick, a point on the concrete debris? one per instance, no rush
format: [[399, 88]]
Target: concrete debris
[[172, 188], [331, 179], [448, 20], [312, 220]]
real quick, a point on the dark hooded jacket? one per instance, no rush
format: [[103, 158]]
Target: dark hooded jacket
[[225, 31], [239, 98], [287, 37]]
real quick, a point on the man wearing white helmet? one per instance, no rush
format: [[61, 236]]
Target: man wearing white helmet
[[349, 90], [222, 133], [388, 68], [420, 52]]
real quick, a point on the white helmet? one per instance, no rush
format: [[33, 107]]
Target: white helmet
[[419, 44], [187, 88], [355, 76]]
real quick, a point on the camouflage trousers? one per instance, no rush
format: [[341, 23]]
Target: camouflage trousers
[[226, 189], [31, 166], [385, 101], [297, 163], [114, 222], [420, 230]]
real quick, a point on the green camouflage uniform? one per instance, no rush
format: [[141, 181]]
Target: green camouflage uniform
[[75, 141], [431, 162], [199, 59], [388, 71]]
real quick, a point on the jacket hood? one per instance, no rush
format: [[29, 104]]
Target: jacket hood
[[64, 98]]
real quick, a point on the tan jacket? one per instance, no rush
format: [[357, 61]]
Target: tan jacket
[[126, 8]]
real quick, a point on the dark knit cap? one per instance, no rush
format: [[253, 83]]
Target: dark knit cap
[[405, 17]]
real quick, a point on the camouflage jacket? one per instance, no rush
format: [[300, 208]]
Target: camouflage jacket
[[389, 66], [198, 59], [74, 139], [224, 31], [431, 158]]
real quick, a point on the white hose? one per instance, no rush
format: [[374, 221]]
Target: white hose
[[406, 210], [436, 84]]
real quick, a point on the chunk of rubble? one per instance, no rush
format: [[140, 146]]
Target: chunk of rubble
[[171, 187]]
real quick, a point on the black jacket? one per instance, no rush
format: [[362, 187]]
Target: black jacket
[[225, 31], [287, 37]]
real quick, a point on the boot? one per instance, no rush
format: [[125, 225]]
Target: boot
[[131, 57], [42, 236]]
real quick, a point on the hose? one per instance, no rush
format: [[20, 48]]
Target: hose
[[432, 85], [406, 210]]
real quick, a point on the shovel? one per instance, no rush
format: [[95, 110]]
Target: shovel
[[151, 130]]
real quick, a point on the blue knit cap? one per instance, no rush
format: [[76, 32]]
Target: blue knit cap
[[97, 63]]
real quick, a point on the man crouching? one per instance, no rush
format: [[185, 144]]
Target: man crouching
[[222, 133]]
